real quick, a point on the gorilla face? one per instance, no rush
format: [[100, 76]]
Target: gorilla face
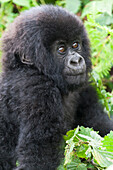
[[69, 54], [51, 41]]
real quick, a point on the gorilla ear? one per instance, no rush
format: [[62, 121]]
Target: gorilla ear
[[26, 60]]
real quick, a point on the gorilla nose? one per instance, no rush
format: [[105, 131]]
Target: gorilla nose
[[77, 63]]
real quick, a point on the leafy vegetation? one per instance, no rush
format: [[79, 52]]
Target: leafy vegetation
[[85, 149]]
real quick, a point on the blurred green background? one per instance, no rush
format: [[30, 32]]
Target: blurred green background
[[97, 16]]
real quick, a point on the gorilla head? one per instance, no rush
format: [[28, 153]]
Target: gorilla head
[[51, 40]]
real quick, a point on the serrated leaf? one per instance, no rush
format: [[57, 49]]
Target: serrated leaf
[[101, 158], [108, 142], [73, 5], [85, 131], [25, 3], [76, 166], [92, 138], [96, 136]]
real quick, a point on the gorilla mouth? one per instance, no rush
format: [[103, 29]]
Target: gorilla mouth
[[76, 79]]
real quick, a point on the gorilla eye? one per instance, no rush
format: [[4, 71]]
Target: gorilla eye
[[75, 45], [61, 49]]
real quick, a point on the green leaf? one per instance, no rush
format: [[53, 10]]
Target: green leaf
[[68, 153], [81, 151], [81, 167], [106, 7], [25, 3], [88, 152], [93, 138], [89, 8], [85, 143], [73, 5], [105, 19], [85, 131], [71, 133], [101, 158], [96, 136], [8, 10], [75, 166], [108, 142], [98, 6]]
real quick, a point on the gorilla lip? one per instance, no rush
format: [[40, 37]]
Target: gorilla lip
[[76, 79], [74, 74]]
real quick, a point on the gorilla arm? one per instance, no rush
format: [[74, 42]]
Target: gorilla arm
[[90, 112], [40, 130]]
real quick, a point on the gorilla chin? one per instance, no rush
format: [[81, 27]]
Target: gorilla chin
[[76, 79]]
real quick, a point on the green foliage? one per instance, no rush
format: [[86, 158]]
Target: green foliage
[[98, 6], [108, 142], [85, 148], [25, 3], [101, 38], [72, 6], [10, 9]]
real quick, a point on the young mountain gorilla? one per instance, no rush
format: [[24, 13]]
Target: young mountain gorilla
[[44, 88]]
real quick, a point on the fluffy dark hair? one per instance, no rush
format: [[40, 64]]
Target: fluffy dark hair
[[37, 105]]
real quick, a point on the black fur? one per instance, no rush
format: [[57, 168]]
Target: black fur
[[37, 105]]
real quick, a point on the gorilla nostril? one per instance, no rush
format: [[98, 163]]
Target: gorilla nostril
[[73, 63], [80, 60]]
